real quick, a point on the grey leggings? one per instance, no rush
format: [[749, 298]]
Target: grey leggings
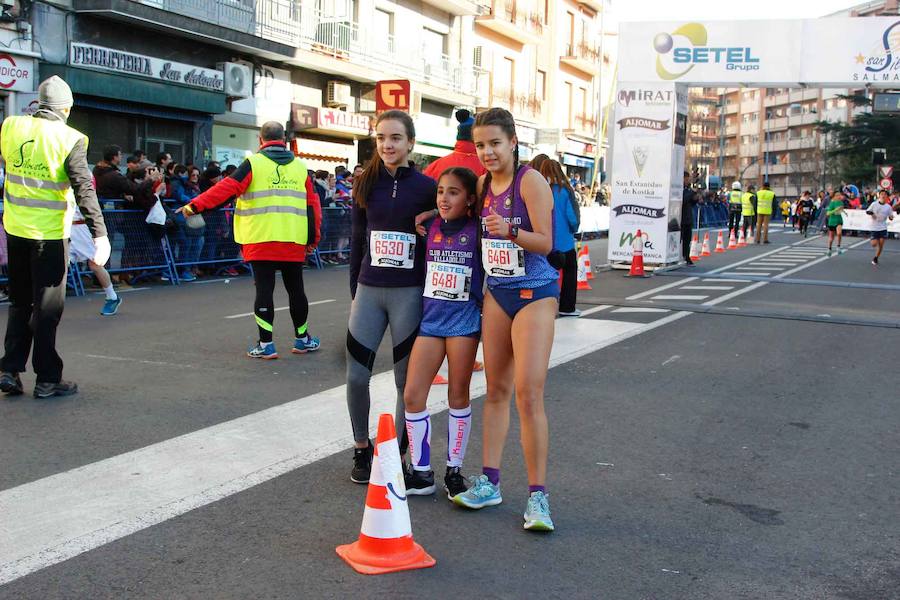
[[373, 309]]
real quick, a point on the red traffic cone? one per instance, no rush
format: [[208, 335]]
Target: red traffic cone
[[439, 380], [742, 242], [583, 270], [695, 247], [587, 261], [385, 543], [720, 243], [478, 366], [705, 251], [732, 241], [637, 257]]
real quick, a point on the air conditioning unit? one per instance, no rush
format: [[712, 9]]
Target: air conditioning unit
[[338, 95], [238, 79]]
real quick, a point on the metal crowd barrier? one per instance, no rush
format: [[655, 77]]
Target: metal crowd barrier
[[211, 245], [335, 238]]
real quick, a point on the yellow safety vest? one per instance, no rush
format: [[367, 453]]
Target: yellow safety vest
[[38, 201], [764, 201], [735, 197], [747, 206], [273, 208]]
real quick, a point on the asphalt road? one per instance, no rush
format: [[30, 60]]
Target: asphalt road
[[736, 441]]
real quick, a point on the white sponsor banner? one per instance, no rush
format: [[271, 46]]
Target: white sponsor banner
[[835, 52], [644, 170], [858, 220]]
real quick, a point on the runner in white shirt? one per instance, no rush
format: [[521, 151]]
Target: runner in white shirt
[[880, 211]]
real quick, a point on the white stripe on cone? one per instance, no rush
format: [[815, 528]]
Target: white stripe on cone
[[394, 523]]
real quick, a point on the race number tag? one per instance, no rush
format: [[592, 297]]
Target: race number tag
[[502, 258], [445, 281], [392, 249]]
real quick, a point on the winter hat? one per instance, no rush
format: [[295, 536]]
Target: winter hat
[[55, 93], [464, 130]]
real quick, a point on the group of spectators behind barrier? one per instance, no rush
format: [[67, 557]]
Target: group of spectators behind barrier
[[139, 251]]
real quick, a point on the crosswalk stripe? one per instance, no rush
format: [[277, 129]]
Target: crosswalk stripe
[[679, 297], [707, 287], [640, 309]]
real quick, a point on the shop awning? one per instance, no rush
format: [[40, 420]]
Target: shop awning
[[133, 89]]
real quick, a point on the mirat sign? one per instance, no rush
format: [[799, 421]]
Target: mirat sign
[[776, 52]]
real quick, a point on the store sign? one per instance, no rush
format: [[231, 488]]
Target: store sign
[[26, 103], [16, 73], [526, 135], [393, 94], [316, 117], [128, 63]]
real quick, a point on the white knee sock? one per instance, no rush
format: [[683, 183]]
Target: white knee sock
[[418, 430], [458, 425], [110, 292]]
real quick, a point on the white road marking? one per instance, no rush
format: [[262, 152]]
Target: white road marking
[[594, 309], [137, 360], [708, 287], [750, 273], [250, 314], [671, 359], [723, 280], [123, 290], [755, 268], [640, 309], [679, 297]]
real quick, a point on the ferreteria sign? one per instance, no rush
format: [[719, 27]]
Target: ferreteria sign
[[128, 63], [763, 53]]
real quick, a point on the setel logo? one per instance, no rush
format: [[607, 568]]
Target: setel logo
[[684, 58]]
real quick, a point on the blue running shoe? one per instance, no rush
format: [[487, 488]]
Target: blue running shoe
[[537, 513], [111, 307], [482, 493], [264, 351], [187, 276], [301, 346]]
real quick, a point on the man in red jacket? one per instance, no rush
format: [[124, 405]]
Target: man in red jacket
[[463, 154], [274, 192]]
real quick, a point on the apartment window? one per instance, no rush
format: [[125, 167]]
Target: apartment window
[[540, 85], [503, 79], [433, 45], [384, 31], [570, 98]]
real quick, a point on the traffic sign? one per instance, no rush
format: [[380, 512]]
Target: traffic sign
[[885, 171], [886, 183]]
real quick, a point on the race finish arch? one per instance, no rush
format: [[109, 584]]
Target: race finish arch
[[658, 61]]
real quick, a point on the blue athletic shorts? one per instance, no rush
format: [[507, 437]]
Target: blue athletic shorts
[[879, 235], [512, 300]]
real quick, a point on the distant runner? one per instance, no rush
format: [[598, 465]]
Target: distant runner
[[880, 211], [835, 220]]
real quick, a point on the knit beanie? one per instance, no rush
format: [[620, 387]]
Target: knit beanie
[[55, 93], [464, 130]]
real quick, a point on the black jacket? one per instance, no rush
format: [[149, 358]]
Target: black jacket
[[688, 204]]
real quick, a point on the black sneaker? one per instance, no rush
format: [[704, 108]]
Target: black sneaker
[[454, 482], [875, 261], [49, 389], [10, 384], [362, 464], [418, 483]]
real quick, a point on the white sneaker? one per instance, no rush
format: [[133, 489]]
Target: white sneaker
[[574, 313]]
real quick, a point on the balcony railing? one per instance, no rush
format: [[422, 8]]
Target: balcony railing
[[346, 41], [586, 123], [583, 51], [516, 19], [274, 20]]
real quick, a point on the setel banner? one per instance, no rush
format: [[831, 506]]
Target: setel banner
[[647, 125], [778, 51]]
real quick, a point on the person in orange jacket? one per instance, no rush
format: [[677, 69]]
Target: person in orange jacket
[[463, 154], [273, 224]]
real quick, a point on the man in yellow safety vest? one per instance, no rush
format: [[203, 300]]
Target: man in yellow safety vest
[[765, 200], [748, 212], [273, 224], [734, 207], [47, 175]]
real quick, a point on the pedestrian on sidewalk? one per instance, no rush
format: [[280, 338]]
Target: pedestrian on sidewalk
[[47, 175], [765, 200], [688, 203], [880, 211], [272, 223], [566, 220], [387, 272]]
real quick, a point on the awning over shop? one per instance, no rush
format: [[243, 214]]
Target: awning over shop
[[132, 89]]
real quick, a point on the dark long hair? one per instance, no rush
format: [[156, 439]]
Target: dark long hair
[[363, 184], [503, 119], [537, 162], [469, 181]]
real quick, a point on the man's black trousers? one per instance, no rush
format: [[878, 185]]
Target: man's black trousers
[[37, 292]]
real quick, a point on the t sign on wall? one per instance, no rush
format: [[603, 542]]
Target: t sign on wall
[[394, 94]]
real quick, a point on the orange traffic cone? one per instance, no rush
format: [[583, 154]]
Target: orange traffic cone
[[705, 251], [385, 543], [720, 244], [695, 247], [583, 270], [439, 380], [587, 261], [742, 241], [732, 242], [478, 366], [637, 257]]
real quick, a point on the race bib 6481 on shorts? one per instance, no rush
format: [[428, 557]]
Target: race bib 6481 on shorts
[[392, 249]]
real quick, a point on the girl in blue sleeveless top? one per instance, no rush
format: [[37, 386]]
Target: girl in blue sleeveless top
[[519, 311], [451, 326]]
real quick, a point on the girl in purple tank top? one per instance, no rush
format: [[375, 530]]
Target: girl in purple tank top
[[522, 296], [451, 325]]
